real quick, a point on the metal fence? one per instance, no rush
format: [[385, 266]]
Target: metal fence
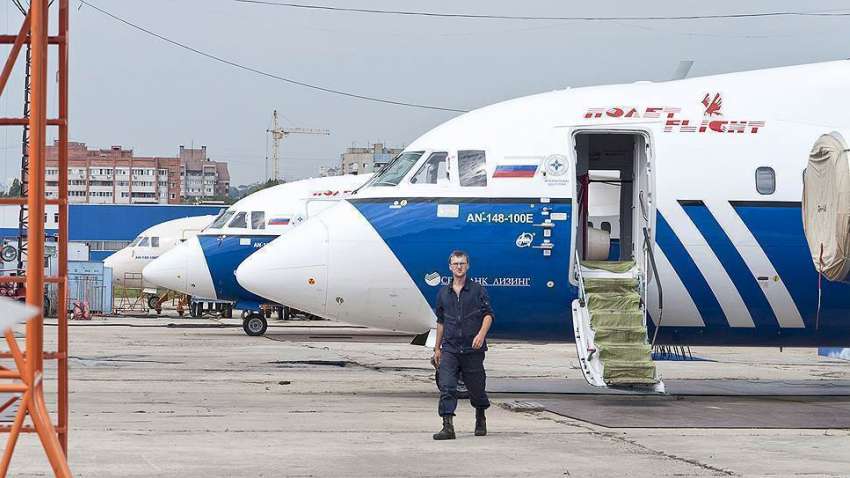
[[91, 283]]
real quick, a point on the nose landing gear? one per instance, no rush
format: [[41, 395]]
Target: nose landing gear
[[255, 324]]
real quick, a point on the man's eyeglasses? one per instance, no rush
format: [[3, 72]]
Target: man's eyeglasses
[[457, 264]]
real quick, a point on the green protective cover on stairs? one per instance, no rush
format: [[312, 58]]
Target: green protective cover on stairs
[[630, 353], [629, 373], [616, 318], [622, 286], [610, 266], [608, 301], [619, 334]]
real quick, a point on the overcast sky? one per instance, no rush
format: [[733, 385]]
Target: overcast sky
[[131, 89]]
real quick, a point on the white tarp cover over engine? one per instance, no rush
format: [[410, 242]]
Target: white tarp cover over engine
[[826, 206]]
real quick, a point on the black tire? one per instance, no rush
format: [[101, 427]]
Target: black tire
[[279, 312], [255, 325], [152, 301], [287, 313], [180, 313], [227, 311], [268, 313]]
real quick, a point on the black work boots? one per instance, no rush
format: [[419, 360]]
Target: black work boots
[[480, 423], [448, 431]]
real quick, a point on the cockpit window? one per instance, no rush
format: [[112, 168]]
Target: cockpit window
[[154, 241], [221, 220], [472, 168], [258, 219], [145, 242], [432, 171], [395, 170], [136, 241], [239, 221]]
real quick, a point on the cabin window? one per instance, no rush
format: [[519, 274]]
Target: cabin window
[[433, 171], [221, 220], [136, 241], [472, 168], [258, 219], [239, 221], [765, 180], [145, 242], [155, 242], [395, 170]]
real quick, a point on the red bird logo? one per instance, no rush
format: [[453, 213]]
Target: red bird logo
[[712, 106]]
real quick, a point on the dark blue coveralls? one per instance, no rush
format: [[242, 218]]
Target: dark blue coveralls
[[462, 317]]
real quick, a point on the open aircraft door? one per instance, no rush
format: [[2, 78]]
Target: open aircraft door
[[613, 205]]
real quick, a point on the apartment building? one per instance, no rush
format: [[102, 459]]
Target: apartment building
[[117, 176], [366, 160]]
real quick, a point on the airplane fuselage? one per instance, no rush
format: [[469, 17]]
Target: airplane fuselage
[[712, 167]]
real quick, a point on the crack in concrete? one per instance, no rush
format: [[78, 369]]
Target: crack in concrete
[[615, 436]]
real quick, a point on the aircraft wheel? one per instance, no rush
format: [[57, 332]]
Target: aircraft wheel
[[152, 301], [287, 313], [279, 313], [227, 311], [255, 325]]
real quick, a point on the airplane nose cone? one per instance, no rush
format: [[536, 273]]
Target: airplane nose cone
[[291, 270], [182, 269], [336, 265], [114, 262]]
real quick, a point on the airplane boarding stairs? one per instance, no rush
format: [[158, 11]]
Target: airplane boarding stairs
[[609, 318]]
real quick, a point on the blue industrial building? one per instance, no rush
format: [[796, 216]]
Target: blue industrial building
[[107, 227]]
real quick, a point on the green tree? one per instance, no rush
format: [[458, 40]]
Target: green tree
[[15, 190]]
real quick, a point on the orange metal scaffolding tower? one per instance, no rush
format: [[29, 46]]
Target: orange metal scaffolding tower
[[26, 376]]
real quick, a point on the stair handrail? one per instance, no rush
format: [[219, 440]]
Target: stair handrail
[[582, 297], [648, 247], [643, 213]]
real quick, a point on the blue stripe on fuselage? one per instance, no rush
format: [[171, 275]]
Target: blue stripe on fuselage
[[422, 243], [690, 275], [488, 230], [739, 273], [224, 254], [779, 231]]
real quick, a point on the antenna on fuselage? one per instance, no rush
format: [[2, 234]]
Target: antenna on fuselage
[[682, 70]]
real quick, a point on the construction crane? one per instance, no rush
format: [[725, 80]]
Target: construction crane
[[278, 134]]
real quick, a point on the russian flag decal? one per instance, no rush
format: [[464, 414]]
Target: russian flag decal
[[279, 221], [515, 171]]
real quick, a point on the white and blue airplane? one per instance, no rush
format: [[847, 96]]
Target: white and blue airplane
[[127, 264], [710, 174], [203, 266]]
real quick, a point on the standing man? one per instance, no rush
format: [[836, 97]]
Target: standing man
[[464, 316]]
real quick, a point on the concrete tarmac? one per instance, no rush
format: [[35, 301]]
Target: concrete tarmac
[[169, 396]]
